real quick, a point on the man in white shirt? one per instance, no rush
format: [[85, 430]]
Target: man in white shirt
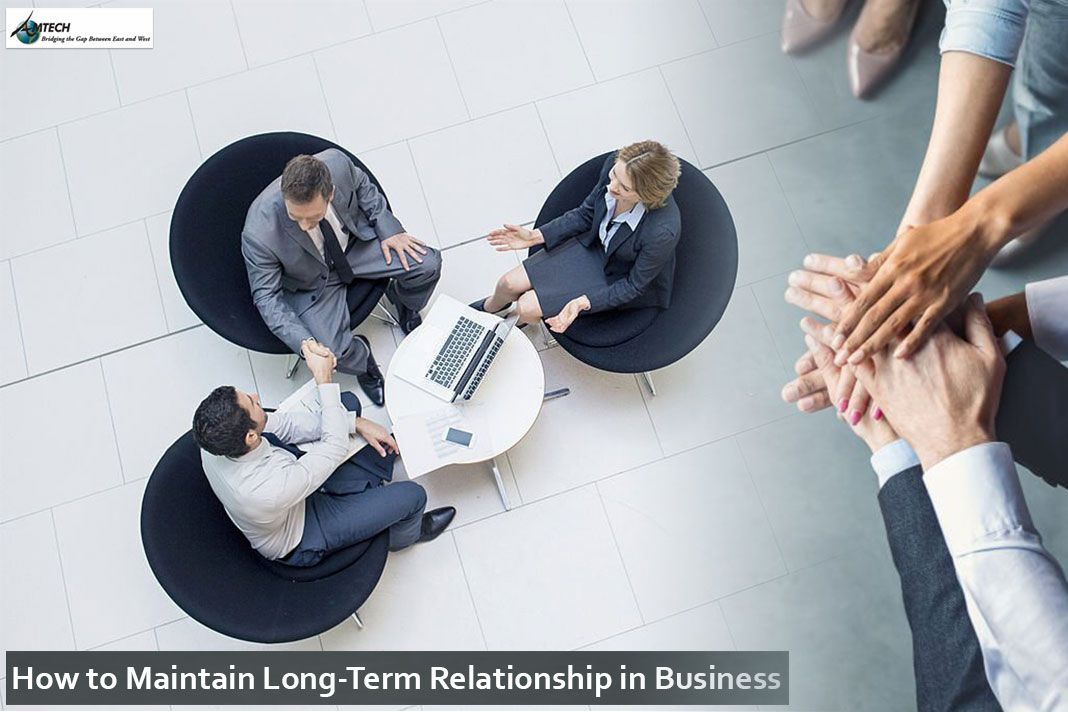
[[299, 505], [942, 401]]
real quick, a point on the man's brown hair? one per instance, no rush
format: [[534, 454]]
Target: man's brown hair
[[304, 178]]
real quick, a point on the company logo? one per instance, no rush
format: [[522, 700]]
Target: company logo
[[28, 32]]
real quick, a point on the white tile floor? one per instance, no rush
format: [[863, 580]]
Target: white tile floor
[[708, 517]]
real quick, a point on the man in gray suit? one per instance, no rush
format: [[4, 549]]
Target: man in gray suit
[[310, 237]]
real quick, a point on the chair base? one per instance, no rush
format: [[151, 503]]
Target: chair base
[[649, 382], [359, 621]]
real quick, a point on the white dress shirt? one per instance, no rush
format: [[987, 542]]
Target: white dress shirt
[[316, 234], [609, 224], [263, 491], [1015, 591], [1047, 309]]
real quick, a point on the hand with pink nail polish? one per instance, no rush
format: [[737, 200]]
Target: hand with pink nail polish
[[875, 433], [825, 288]]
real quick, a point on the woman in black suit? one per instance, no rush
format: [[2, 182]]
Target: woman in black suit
[[623, 252]]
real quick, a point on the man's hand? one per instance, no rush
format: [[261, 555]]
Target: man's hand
[[922, 276], [942, 400], [514, 237], [826, 288], [376, 436], [321, 361], [567, 315], [405, 246], [875, 433]]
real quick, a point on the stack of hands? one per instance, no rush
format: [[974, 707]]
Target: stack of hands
[[939, 390]]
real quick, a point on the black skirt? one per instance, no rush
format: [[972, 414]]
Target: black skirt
[[567, 272]]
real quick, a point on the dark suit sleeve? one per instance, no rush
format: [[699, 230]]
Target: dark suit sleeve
[[947, 659], [1033, 413], [655, 252], [265, 278], [577, 220], [373, 203]]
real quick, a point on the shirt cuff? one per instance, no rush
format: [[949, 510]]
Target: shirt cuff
[[977, 496], [330, 395], [1047, 309], [352, 422], [893, 459], [988, 28]]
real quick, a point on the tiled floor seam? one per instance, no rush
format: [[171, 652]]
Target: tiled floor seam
[[470, 593], [763, 507], [87, 359], [240, 39], [156, 271], [322, 90], [452, 67], [66, 181], [111, 417], [63, 577], [578, 37], [619, 553], [18, 320], [682, 122], [193, 124], [788, 365]]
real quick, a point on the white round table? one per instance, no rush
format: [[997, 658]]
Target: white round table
[[510, 396]]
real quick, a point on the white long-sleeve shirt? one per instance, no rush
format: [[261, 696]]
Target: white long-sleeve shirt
[[1015, 591], [263, 491], [1047, 310]]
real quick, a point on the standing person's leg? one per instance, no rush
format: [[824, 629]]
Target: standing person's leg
[[947, 659], [1040, 88], [328, 321]]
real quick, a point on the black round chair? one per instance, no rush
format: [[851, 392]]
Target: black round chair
[[206, 565], [706, 265], [205, 239]]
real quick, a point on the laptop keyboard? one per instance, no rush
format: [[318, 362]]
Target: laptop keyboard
[[454, 351], [483, 367]]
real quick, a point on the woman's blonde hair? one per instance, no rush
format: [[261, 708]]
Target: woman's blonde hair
[[653, 170]]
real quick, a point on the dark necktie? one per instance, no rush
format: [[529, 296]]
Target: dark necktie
[[335, 258], [273, 440]]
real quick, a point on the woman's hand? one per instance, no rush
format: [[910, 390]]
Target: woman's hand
[[922, 276], [376, 436], [876, 433], [514, 237], [571, 310], [826, 288]]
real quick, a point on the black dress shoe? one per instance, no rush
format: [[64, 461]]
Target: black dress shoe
[[480, 305], [372, 381], [435, 522], [408, 319]]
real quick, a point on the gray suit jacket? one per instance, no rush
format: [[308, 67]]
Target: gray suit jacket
[[285, 270]]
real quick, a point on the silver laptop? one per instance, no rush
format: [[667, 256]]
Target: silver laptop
[[454, 349]]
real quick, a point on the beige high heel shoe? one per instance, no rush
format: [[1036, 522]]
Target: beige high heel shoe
[[867, 69], [801, 30]]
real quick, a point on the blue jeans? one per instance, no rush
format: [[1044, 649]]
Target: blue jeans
[[1030, 35]]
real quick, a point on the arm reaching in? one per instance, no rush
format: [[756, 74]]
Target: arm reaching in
[[926, 272]]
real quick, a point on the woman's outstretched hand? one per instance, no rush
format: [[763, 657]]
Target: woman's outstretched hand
[[568, 314], [922, 276], [514, 237]]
